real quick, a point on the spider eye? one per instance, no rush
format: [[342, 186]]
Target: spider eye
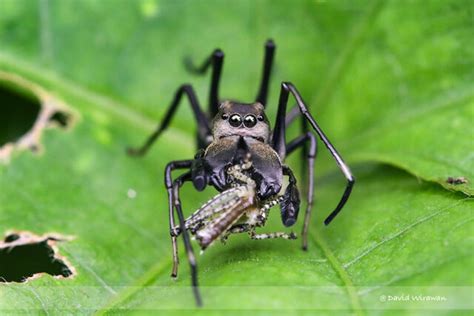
[[225, 116], [235, 120], [260, 118], [250, 121]]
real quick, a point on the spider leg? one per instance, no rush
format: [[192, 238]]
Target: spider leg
[[290, 117], [267, 70], [280, 146], [174, 200], [216, 59], [182, 164], [204, 131], [188, 247], [177, 184], [301, 141]]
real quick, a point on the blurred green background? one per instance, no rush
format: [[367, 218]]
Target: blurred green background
[[390, 82]]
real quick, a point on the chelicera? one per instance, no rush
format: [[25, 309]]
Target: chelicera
[[241, 156]]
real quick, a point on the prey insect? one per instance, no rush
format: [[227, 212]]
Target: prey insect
[[241, 156], [235, 210]]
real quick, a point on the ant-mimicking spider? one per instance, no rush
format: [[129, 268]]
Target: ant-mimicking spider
[[243, 158]]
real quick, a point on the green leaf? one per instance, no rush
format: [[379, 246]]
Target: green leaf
[[389, 83], [386, 66], [380, 251], [407, 96]]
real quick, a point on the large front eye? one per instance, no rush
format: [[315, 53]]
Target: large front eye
[[235, 120], [250, 121]]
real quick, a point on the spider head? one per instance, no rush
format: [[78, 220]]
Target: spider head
[[240, 119]]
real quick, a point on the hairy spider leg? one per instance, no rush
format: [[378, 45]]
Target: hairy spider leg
[[280, 146], [203, 129]]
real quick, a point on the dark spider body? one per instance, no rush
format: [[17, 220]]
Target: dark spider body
[[241, 156], [231, 143]]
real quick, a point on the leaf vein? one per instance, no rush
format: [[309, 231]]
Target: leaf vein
[[340, 270], [39, 299], [399, 233]]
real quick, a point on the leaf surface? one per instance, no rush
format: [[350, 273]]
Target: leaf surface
[[389, 84]]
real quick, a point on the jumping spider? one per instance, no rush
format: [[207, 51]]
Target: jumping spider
[[243, 158]]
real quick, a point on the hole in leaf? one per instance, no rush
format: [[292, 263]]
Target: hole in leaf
[[27, 109], [18, 114], [61, 118], [24, 255]]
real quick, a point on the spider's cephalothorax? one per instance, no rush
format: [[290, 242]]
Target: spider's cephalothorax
[[241, 156], [239, 129]]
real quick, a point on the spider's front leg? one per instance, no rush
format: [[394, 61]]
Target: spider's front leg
[[280, 146], [213, 216], [286, 89], [172, 187], [176, 202]]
